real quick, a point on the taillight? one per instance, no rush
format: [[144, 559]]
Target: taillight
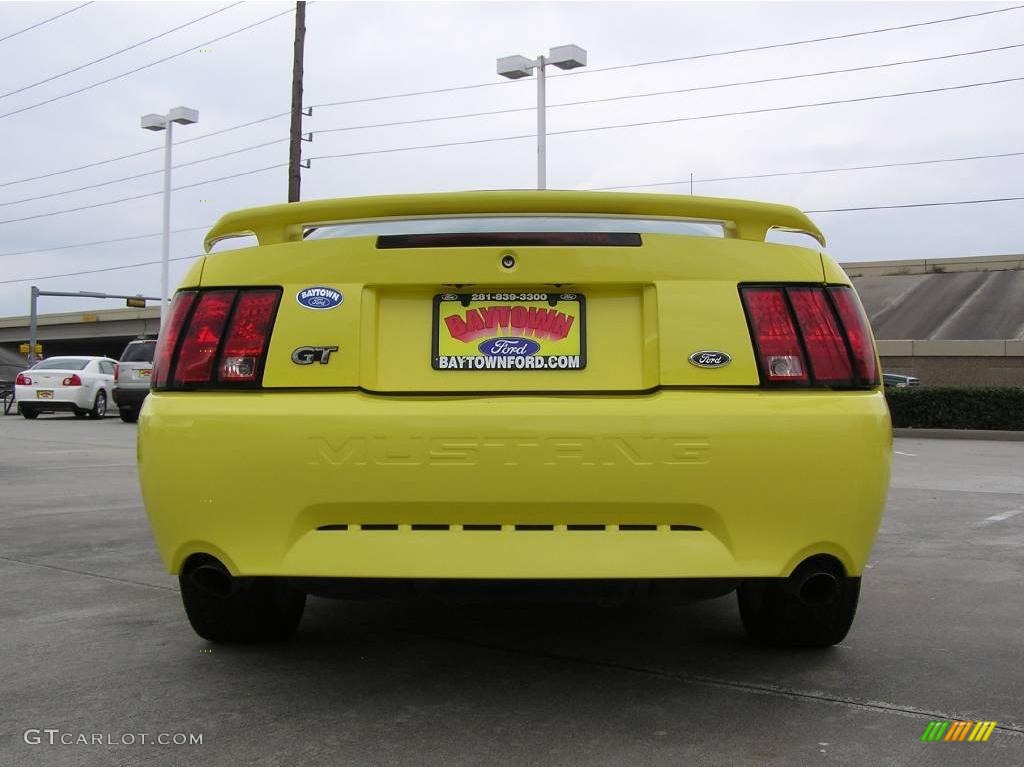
[[23, 380], [810, 335], [215, 337], [168, 338], [247, 337], [778, 346], [830, 362], [72, 381], [117, 372], [855, 324], [201, 340]]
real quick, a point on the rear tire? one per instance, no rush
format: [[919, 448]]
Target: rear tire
[[29, 413], [99, 406], [774, 615], [260, 610], [129, 415]]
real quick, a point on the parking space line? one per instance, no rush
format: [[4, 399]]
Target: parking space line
[[1011, 729], [1002, 516], [70, 467], [86, 573]]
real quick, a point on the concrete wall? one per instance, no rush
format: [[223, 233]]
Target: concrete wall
[[956, 363], [1014, 261]]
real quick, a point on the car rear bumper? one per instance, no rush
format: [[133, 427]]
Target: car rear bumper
[[674, 484], [130, 397], [63, 399]]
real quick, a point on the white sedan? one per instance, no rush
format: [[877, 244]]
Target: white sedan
[[81, 385]]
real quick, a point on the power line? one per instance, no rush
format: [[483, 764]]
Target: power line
[[100, 242], [141, 152], [105, 203], [498, 83], [422, 146], [916, 205], [201, 136], [810, 172], [144, 66], [764, 110], [503, 112], [772, 46], [507, 111], [94, 271], [143, 174], [482, 114], [592, 129], [644, 123], [117, 53], [590, 70], [44, 21], [605, 99]]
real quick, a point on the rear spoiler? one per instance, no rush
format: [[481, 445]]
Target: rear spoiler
[[288, 222]]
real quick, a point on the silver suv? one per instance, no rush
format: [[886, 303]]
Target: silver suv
[[131, 377]]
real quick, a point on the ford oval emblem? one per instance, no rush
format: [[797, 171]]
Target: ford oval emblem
[[509, 346], [710, 358], [319, 297]]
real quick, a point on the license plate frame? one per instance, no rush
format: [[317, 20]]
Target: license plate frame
[[522, 331]]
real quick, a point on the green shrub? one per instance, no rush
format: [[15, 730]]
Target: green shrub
[[957, 407]]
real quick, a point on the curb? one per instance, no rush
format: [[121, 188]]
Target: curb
[[959, 434]]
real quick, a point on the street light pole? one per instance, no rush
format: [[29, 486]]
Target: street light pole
[[151, 122], [165, 246], [542, 127], [515, 67]]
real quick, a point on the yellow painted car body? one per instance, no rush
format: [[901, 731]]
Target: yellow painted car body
[[641, 465]]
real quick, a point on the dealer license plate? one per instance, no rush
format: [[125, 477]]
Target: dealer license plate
[[509, 332]]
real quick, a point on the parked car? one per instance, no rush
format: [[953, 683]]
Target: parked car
[[899, 380], [615, 391], [81, 385], [131, 377]]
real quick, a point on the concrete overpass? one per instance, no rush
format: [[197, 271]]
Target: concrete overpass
[[95, 332]]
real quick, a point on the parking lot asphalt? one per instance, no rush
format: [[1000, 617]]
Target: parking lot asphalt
[[94, 642]]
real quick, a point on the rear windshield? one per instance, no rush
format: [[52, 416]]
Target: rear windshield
[[142, 352], [62, 364], [467, 224]]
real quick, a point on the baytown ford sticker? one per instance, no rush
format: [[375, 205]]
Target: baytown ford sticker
[[709, 358], [319, 297]]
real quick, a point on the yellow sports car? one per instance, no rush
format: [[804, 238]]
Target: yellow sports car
[[623, 393]]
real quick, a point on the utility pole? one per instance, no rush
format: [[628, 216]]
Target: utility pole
[[295, 143]]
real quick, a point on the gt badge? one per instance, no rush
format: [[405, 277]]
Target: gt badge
[[310, 355], [709, 358]]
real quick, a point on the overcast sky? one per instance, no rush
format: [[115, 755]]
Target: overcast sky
[[366, 49]]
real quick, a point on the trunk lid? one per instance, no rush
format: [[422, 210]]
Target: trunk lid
[[639, 312]]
